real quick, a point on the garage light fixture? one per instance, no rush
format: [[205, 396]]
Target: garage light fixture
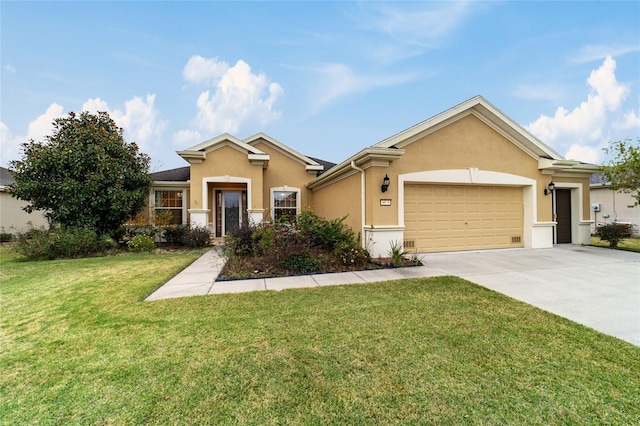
[[549, 189], [385, 183]]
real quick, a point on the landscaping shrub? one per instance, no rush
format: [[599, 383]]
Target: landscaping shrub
[[326, 234], [199, 236], [397, 253], [264, 239], [351, 253], [5, 237], [301, 263], [178, 235], [239, 242], [613, 233], [308, 244], [141, 243], [62, 243]]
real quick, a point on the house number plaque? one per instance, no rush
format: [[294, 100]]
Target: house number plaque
[[385, 202]]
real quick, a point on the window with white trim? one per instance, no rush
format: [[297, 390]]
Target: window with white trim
[[172, 202], [285, 204]]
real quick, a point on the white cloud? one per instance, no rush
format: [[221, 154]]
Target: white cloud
[[140, 119], [202, 70], [538, 92], [10, 145], [587, 125], [338, 80], [595, 52], [585, 154], [43, 125], [9, 68], [237, 96], [187, 138], [629, 121], [423, 24], [39, 128]]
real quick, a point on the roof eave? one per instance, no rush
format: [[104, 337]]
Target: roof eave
[[368, 157]]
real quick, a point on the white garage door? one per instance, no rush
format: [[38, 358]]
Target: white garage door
[[457, 217]]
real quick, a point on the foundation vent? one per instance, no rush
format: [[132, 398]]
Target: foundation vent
[[409, 244], [516, 240]]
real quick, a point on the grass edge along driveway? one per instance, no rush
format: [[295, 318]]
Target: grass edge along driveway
[[78, 346]]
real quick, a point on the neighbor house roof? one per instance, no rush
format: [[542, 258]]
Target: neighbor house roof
[[5, 177]]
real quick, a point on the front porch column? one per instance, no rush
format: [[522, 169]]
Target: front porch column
[[256, 216], [199, 217]]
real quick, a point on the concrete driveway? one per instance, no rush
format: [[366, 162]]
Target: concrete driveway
[[597, 287]]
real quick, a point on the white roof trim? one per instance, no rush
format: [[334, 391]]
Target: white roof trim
[[480, 106], [311, 165], [204, 146]]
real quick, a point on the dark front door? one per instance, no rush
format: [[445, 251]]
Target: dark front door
[[563, 215]]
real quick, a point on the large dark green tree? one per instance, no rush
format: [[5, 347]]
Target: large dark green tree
[[623, 170], [84, 174]]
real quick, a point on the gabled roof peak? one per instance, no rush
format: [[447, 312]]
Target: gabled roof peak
[[483, 109], [309, 162]]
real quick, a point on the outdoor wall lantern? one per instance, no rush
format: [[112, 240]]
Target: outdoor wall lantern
[[549, 189], [385, 183]]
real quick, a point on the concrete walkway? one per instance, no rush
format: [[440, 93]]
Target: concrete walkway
[[596, 287]]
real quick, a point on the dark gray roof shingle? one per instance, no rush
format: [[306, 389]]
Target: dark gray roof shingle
[[181, 174]]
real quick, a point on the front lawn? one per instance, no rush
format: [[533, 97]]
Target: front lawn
[[629, 244], [79, 346]]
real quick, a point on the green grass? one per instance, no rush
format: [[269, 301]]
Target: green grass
[[79, 346], [629, 244]]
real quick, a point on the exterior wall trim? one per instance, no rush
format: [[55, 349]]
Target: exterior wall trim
[[580, 228], [536, 234], [286, 189]]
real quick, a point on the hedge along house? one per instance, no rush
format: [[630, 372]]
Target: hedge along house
[[469, 178]]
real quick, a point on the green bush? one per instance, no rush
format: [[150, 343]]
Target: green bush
[[326, 234], [613, 233], [199, 236], [178, 235], [397, 253], [240, 241], [351, 254], [141, 243], [264, 239], [301, 263], [62, 243], [6, 237]]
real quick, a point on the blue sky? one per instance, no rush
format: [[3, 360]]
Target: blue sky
[[325, 78]]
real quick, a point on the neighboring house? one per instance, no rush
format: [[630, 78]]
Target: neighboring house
[[468, 178], [609, 206], [13, 218]]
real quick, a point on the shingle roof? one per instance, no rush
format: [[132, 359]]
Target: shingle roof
[[181, 174], [326, 164], [5, 177], [598, 178]]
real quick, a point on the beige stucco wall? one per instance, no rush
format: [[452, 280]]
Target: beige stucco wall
[[225, 161], [615, 204], [284, 171], [582, 182], [13, 219], [340, 199], [465, 143]]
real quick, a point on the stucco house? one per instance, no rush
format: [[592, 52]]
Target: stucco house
[[609, 206], [13, 219], [468, 178]]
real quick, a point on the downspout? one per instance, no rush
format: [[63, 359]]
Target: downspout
[[362, 199]]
